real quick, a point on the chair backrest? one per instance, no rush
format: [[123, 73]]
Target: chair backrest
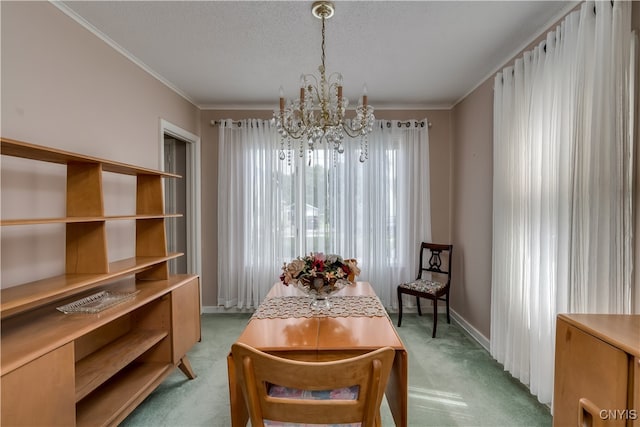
[[258, 371], [431, 259]]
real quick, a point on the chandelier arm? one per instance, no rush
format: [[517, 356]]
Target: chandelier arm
[[362, 123], [320, 114], [306, 115], [291, 131], [293, 134], [314, 92], [311, 88], [351, 132], [308, 77]]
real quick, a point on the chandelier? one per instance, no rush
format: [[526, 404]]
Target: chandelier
[[319, 114]]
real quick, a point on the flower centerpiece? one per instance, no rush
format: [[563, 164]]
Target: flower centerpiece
[[320, 275]]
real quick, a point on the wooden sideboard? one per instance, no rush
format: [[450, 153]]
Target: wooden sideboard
[[94, 369], [597, 370]]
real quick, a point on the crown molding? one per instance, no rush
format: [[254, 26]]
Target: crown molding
[[232, 107], [272, 107], [88, 26], [547, 27]]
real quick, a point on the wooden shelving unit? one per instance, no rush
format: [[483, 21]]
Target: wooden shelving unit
[[94, 369], [135, 377], [68, 220], [17, 299]]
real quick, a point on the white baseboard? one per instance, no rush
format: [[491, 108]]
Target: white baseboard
[[475, 334]]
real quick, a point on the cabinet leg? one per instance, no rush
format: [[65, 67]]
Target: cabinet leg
[[186, 369]]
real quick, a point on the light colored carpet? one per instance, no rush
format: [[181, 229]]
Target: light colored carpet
[[453, 381]]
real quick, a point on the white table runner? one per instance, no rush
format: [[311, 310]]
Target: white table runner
[[341, 306]]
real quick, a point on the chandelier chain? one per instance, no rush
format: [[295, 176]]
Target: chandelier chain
[[323, 42], [319, 114]]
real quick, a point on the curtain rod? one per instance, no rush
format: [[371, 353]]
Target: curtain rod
[[400, 123], [544, 42]]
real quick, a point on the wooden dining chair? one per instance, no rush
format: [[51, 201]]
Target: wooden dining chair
[[433, 281], [279, 390]]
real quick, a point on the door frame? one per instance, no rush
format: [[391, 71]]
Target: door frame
[[192, 215]]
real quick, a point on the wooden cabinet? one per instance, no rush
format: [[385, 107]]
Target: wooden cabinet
[[94, 369], [597, 370], [35, 394]]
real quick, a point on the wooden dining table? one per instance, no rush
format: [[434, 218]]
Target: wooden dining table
[[331, 334]]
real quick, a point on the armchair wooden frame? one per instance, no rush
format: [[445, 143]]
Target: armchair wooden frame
[[257, 370], [438, 290]]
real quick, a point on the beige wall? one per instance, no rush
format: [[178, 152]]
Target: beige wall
[[63, 87], [472, 182], [472, 124], [440, 159]]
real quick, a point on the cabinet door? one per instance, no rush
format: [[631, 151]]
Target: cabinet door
[[42, 392], [185, 317], [635, 416], [586, 367]]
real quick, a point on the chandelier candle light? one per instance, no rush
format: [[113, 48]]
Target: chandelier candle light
[[319, 114]]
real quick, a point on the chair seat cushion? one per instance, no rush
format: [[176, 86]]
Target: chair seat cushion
[[269, 423], [345, 393], [424, 285]]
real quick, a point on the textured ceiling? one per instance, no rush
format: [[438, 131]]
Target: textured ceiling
[[236, 54]]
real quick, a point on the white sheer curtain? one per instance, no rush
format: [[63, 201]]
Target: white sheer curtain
[[271, 211], [252, 205], [562, 190]]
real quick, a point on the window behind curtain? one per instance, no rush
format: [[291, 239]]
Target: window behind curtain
[[319, 201], [563, 186]]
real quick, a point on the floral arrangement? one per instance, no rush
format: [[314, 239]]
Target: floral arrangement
[[320, 273]]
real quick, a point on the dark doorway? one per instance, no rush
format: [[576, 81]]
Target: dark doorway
[[175, 193]]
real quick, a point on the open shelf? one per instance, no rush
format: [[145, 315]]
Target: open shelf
[[11, 147], [31, 336], [114, 400], [30, 295], [101, 365], [71, 220]]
